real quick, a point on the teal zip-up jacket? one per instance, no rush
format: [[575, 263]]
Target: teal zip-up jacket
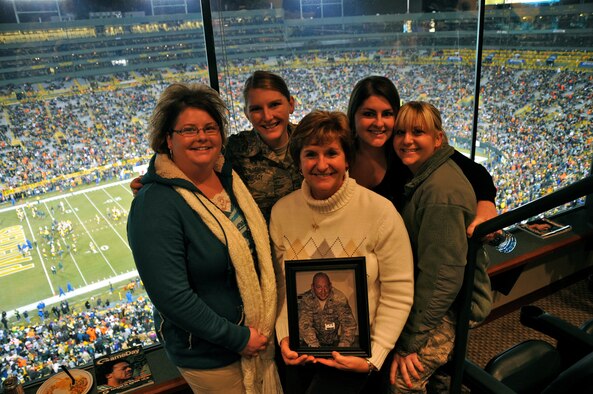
[[187, 273]]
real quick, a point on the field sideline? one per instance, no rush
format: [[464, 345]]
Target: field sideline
[[87, 247], [90, 255]]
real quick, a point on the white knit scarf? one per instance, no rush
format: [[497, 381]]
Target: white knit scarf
[[258, 294]]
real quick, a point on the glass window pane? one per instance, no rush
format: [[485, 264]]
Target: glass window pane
[[534, 87], [536, 98], [78, 81]]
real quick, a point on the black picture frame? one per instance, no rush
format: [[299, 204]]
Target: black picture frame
[[348, 275]]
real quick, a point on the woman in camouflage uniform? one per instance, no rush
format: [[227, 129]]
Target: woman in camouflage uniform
[[260, 155]]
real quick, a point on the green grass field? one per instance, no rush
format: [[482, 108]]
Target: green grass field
[[94, 252]]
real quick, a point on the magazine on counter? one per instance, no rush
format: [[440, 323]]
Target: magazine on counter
[[544, 228], [123, 371]]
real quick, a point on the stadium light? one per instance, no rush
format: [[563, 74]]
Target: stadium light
[[164, 4], [40, 10], [321, 4]]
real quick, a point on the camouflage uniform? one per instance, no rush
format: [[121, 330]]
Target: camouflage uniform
[[322, 327], [435, 353], [267, 177]]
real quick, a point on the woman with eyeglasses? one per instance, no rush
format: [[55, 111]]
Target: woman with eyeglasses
[[201, 247]]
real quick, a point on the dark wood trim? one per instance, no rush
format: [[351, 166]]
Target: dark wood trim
[[505, 273], [536, 254]]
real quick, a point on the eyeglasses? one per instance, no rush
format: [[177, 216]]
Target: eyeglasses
[[189, 131]]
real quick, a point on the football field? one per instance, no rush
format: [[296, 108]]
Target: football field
[[74, 243], [76, 238]]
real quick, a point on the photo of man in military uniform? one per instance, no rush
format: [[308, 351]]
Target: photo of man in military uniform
[[325, 316]]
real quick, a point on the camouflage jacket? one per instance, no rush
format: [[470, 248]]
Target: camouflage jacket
[[334, 325], [267, 177]]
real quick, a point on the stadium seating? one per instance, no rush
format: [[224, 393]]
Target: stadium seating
[[535, 366]]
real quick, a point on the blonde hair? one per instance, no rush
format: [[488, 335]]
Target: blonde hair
[[415, 112]]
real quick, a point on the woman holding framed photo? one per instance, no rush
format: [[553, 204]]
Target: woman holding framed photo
[[331, 216]]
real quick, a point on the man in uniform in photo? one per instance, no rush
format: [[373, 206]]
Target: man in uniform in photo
[[325, 316]]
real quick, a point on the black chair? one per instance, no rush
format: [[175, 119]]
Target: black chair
[[535, 366], [528, 367], [574, 343]]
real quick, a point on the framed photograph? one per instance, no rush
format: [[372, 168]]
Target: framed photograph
[[328, 308]]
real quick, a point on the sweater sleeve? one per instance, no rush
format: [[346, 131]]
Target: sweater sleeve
[[278, 258], [156, 237], [396, 276], [478, 176]]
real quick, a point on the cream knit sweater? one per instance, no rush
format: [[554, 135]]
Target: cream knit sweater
[[353, 222]]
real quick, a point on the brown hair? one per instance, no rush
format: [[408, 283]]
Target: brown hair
[[176, 98], [320, 127], [372, 86], [265, 80]]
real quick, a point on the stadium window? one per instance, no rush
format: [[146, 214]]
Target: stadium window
[[77, 95]]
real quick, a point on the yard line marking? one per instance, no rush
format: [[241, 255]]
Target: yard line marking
[[74, 261], [92, 239], [115, 202], [78, 291], [110, 225], [126, 188], [51, 287], [64, 239], [68, 194]]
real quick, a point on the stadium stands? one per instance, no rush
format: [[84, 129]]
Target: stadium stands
[[73, 337], [76, 100], [94, 123]]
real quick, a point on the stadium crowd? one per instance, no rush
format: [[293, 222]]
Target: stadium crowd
[[94, 134], [73, 338], [534, 131]]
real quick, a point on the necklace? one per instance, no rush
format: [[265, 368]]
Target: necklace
[[222, 201], [315, 224]]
